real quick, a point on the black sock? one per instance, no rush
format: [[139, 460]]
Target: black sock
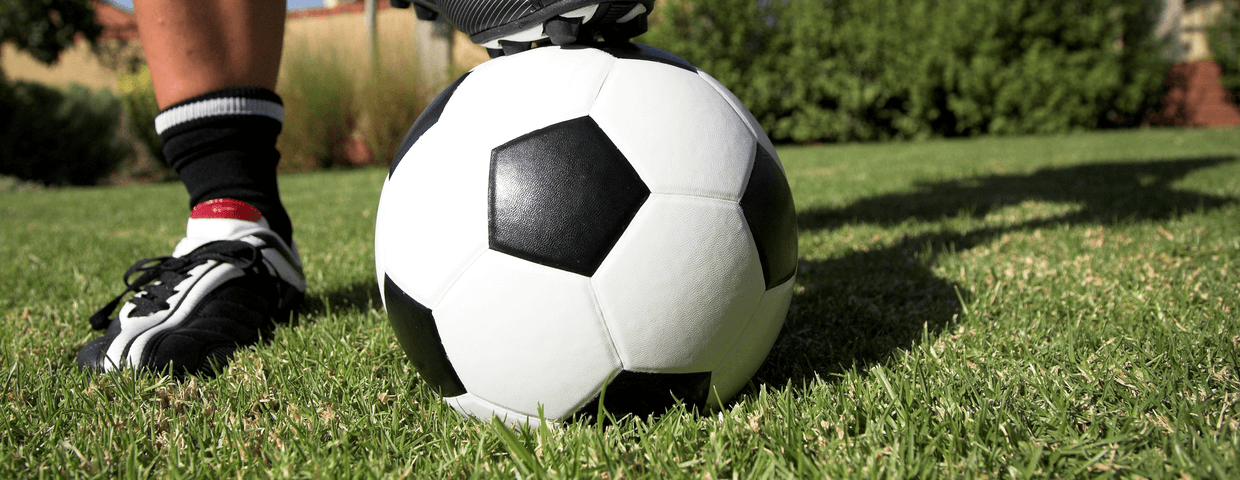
[[223, 145]]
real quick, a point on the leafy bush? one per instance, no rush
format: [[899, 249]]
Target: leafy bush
[[340, 114], [317, 91], [59, 136], [1224, 38], [814, 70], [138, 95], [388, 104]]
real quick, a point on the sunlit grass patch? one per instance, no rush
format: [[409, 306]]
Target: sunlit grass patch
[[1006, 307]]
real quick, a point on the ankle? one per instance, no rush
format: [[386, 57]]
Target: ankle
[[222, 144]]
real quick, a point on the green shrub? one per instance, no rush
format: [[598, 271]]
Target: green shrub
[[59, 136], [317, 90], [389, 102], [1224, 38], [332, 107], [138, 95], [814, 70]]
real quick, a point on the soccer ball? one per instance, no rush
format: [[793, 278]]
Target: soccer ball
[[572, 226]]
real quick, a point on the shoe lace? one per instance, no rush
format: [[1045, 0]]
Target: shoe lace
[[171, 271]]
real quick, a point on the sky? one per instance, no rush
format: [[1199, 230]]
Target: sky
[[292, 4]]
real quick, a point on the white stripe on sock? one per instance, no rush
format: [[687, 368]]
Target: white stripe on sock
[[217, 107]]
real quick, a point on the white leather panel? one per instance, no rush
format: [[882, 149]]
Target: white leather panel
[[521, 334], [508, 97], [753, 345], [472, 406], [680, 135], [744, 113], [680, 284], [433, 213]]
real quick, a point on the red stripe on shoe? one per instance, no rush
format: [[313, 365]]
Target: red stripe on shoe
[[226, 208]]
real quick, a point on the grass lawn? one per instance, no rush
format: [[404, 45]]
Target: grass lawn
[[1012, 307]]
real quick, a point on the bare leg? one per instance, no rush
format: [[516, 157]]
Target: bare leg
[[198, 46]]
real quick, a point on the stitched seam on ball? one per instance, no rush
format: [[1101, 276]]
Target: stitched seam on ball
[[598, 307], [697, 197], [460, 274], [599, 91]]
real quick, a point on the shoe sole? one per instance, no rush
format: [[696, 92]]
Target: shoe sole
[[561, 22]]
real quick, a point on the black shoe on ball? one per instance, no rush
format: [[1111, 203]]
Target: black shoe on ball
[[512, 26]]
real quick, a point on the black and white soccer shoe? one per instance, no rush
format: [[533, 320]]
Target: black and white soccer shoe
[[512, 26], [225, 286]]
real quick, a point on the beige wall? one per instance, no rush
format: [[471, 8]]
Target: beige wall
[[347, 32], [76, 65], [1184, 23]]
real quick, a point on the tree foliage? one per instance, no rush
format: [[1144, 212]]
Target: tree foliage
[[44, 28], [839, 70], [1224, 38]]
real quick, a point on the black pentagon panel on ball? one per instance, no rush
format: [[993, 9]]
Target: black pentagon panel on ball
[[419, 338], [428, 118], [772, 218], [561, 196], [643, 394]]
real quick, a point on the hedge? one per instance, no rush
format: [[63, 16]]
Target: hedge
[[59, 136], [138, 96], [841, 70], [1224, 38]]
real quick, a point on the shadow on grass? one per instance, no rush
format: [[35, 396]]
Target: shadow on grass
[[858, 308], [358, 297], [1107, 193]]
